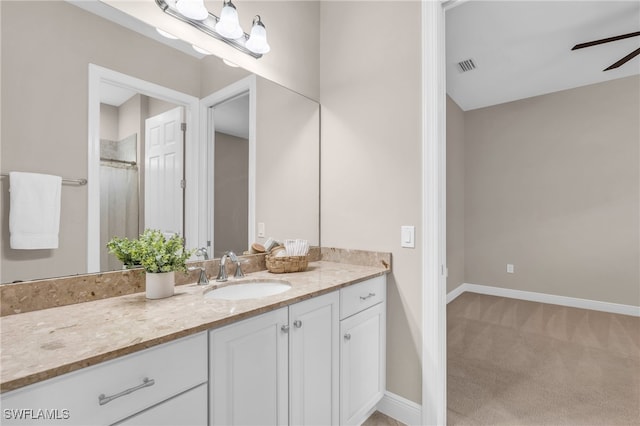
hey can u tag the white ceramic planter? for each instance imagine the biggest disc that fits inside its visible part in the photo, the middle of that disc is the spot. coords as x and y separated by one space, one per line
160 285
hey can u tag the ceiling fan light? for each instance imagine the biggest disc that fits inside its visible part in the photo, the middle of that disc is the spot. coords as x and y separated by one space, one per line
229 26
192 9
257 42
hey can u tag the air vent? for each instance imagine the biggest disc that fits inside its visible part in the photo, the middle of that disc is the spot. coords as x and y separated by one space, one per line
466 65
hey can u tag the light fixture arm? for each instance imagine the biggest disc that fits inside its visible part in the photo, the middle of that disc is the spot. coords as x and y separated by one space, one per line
207 26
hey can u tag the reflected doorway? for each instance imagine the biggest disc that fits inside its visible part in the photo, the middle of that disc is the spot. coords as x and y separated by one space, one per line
133 127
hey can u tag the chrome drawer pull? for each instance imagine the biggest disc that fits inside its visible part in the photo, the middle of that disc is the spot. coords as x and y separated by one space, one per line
347 336
285 328
368 296
146 382
297 323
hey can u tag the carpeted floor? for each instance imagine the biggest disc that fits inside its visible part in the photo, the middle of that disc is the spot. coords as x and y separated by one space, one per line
512 362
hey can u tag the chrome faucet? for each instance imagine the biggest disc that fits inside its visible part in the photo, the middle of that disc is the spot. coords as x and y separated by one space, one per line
202 280
222 273
202 251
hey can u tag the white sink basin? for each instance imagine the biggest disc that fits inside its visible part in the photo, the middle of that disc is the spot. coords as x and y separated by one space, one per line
248 289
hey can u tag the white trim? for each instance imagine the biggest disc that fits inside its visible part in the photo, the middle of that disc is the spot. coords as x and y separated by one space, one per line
434 348
247 84
574 302
400 409
453 294
450 4
98 75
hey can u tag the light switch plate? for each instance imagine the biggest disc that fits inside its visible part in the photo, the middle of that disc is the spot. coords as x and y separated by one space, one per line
408 236
261 231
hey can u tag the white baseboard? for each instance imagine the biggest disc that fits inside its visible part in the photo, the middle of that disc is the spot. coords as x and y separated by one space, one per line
573 302
401 409
453 294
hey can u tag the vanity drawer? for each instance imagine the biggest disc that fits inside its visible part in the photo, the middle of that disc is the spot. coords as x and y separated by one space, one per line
75 398
359 297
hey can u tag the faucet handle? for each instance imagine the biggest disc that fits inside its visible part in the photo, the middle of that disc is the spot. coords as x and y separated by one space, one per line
202 279
238 273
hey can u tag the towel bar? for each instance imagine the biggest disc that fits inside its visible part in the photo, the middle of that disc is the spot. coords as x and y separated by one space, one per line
80 182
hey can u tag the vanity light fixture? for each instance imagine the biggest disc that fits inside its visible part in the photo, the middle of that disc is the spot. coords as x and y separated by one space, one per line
258 39
192 9
229 25
226 28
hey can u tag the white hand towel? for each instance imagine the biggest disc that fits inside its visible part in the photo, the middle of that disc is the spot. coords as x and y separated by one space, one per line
34 210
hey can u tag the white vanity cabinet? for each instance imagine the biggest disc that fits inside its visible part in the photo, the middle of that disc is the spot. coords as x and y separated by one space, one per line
313 361
278 368
118 389
188 408
362 349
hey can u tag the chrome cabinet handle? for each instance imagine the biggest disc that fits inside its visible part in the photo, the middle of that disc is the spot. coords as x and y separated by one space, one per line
146 382
347 336
368 296
297 323
285 328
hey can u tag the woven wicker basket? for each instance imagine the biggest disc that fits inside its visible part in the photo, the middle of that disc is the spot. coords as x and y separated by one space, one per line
280 265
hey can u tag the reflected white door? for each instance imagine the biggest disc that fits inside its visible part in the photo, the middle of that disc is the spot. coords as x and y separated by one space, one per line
163 192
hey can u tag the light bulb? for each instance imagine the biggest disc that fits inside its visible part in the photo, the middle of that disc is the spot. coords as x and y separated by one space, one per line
228 26
257 42
192 9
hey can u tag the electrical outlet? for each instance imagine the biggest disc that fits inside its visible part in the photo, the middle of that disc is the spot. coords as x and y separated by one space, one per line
510 268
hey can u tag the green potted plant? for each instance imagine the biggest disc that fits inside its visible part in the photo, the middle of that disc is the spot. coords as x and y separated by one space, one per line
160 257
125 251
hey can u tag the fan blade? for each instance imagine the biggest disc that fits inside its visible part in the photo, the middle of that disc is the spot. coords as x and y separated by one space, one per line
605 40
623 60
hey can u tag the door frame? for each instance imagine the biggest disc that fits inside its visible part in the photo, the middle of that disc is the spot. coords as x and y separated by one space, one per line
434 282
207 172
194 209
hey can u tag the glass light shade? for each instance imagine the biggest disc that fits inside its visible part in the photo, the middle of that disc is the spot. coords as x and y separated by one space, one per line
192 9
201 50
257 42
163 33
229 63
228 26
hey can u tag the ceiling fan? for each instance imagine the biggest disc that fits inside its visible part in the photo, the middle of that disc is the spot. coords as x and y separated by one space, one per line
610 39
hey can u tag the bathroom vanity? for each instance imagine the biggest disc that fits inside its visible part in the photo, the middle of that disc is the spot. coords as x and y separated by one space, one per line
313 354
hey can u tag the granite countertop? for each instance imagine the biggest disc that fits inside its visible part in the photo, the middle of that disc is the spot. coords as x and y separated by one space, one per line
43 344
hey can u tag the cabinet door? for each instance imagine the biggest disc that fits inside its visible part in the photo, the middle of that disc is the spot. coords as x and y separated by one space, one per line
313 361
186 409
248 371
362 363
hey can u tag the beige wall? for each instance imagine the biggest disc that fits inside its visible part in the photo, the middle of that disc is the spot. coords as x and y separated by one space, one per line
108 122
231 194
455 195
287 175
130 117
46 49
552 185
371 158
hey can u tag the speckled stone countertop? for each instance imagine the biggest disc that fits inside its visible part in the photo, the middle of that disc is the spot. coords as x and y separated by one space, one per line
46 343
